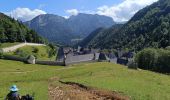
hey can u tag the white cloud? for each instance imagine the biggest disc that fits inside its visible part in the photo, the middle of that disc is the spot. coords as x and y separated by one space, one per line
72 11
125 10
25 14
66 17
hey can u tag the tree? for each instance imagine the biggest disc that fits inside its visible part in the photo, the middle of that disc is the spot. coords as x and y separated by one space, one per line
3 37
52 50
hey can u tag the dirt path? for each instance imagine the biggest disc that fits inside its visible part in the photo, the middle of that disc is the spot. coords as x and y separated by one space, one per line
75 91
15 47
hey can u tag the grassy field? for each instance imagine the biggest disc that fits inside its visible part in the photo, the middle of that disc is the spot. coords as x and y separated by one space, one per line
40 54
138 84
3 45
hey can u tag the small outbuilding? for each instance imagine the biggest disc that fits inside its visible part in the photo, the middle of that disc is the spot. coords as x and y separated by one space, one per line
103 57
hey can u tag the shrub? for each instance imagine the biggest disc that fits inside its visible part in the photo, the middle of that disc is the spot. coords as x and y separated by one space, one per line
51 51
21 53
163 64
147 59
18 51
154 59
35 50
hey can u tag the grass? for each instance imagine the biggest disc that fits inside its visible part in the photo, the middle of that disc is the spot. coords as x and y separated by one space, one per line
138 84
4 45
32 81
41 54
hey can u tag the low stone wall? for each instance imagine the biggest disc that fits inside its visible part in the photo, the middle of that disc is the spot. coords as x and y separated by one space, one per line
22 59
53 63
9 57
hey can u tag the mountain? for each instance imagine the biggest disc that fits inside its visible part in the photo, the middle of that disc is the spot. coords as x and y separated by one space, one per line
64 31
52 27
150 27
14 31
99 36
85 42
84 24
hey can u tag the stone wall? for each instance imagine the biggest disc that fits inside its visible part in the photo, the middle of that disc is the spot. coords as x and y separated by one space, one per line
9 57
54 63
25 60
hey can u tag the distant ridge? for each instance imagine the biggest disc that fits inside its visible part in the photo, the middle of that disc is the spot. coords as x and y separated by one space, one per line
58 29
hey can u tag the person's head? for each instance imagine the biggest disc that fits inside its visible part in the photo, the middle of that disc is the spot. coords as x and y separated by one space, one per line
14 88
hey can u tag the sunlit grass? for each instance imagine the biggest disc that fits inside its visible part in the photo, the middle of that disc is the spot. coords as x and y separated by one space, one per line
41 54
138 84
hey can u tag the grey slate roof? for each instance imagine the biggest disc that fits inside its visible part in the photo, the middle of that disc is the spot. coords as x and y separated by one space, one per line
72 57
79 58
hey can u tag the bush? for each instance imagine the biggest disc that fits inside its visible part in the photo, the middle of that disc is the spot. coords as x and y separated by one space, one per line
35 50
163 64
21 53
154 59
147 59
51 51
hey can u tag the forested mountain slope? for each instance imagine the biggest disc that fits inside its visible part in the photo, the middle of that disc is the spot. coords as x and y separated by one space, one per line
99 37
150 27
14 31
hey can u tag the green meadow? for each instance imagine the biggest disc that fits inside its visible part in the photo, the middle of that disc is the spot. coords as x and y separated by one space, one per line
138 84
40 52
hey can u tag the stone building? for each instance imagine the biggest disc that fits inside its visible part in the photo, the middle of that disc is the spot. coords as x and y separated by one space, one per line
70 56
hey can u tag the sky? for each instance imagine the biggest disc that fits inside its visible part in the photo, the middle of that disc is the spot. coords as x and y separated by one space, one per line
119 10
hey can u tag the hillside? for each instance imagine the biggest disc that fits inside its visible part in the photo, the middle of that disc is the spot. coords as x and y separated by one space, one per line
99 37
137 84
85 42
52 27
40 52
150 27
63 31
14 31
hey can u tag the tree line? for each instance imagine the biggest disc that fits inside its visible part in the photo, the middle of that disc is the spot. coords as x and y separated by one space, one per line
12 30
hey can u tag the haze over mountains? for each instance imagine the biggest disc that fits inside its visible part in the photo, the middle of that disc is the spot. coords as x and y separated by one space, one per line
64 31
150 27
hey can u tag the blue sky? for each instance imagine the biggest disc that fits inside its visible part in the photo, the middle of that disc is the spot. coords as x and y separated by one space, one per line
55 6
119 10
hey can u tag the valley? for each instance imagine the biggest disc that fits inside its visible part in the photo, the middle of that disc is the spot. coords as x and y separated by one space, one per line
82 51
